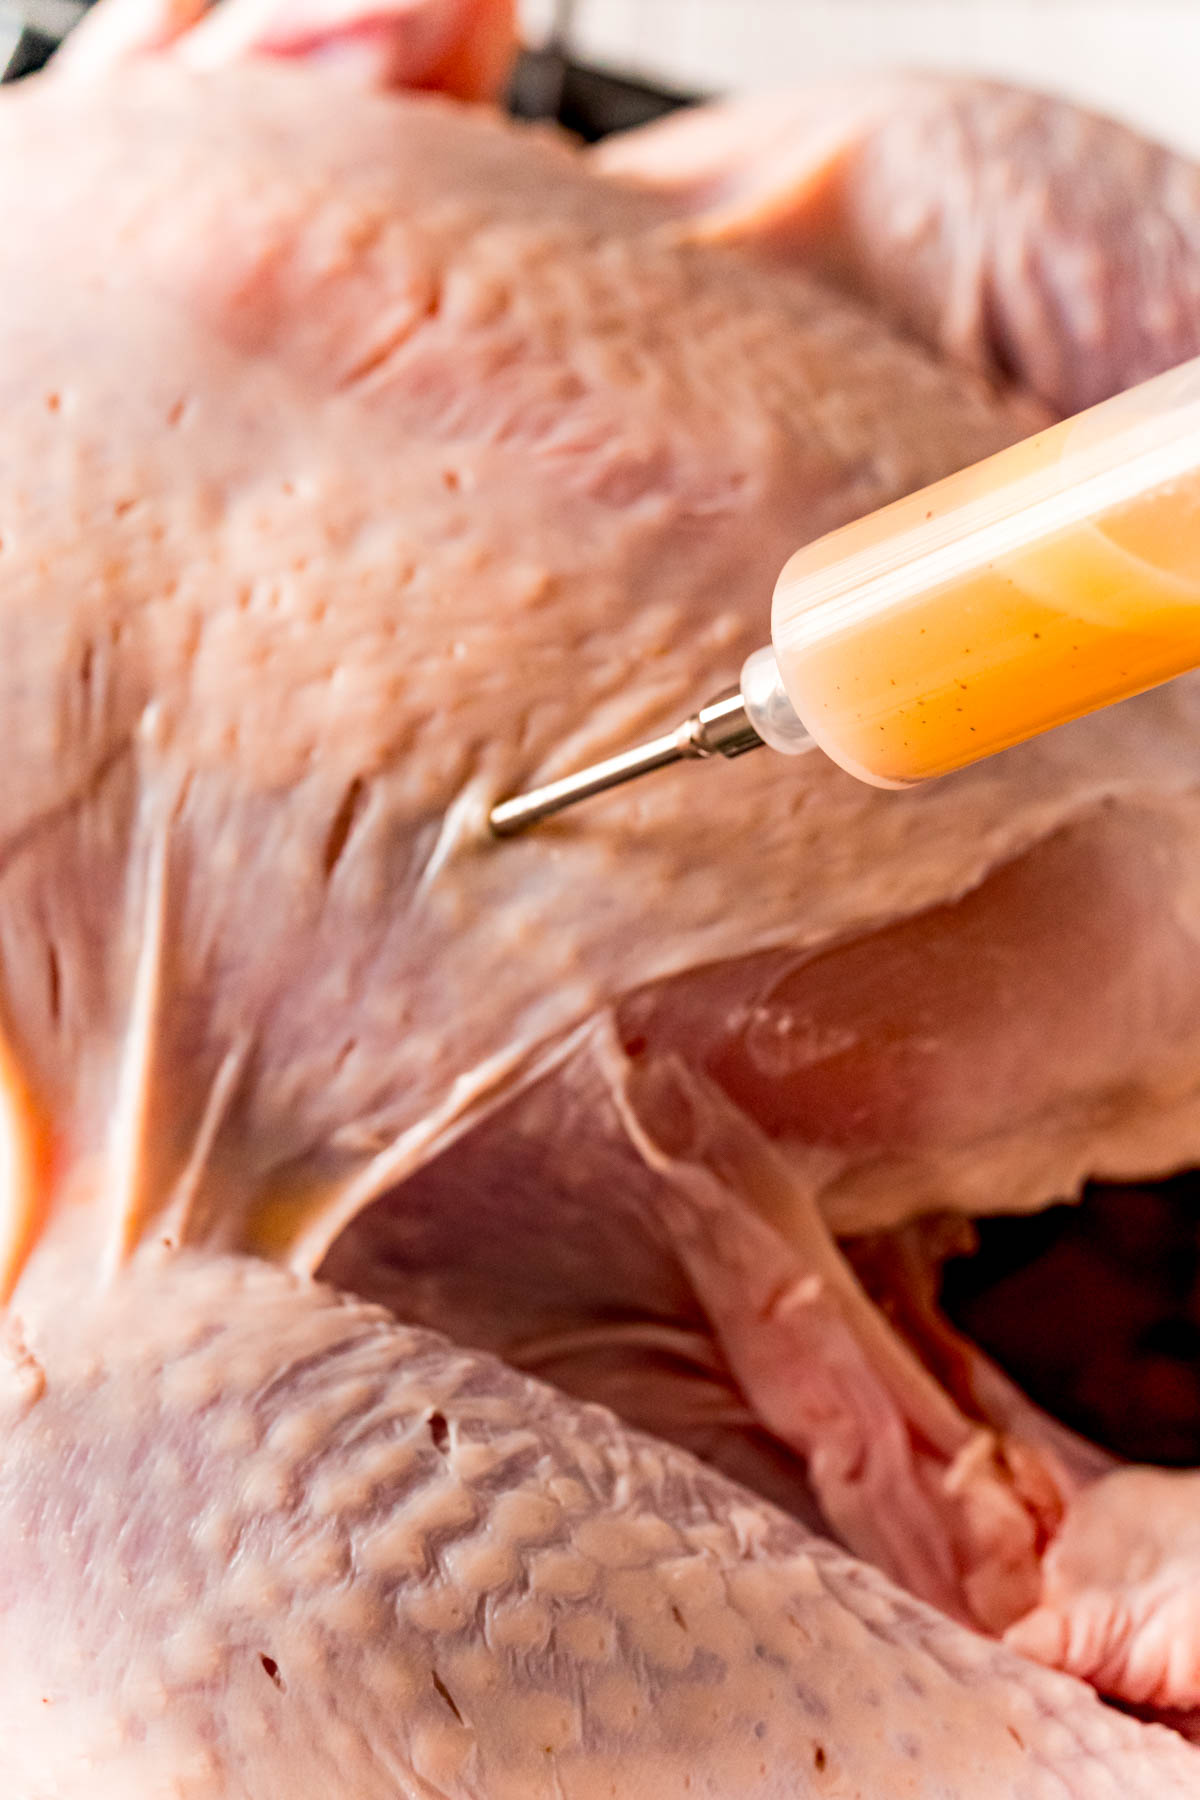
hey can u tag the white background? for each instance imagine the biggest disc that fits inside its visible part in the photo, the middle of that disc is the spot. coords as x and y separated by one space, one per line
1139 59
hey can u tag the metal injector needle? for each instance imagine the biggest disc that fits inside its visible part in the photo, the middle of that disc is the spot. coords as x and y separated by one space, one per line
721 728
1052 580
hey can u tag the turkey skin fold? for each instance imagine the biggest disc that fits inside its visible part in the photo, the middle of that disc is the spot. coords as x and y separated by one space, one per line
437 1356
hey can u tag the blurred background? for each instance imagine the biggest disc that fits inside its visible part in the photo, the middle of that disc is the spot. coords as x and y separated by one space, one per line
1137 59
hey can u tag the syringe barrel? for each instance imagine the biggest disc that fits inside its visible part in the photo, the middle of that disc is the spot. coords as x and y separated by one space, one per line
1052 579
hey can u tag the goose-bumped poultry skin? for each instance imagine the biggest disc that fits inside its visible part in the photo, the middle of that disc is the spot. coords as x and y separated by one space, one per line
364 457
257 1540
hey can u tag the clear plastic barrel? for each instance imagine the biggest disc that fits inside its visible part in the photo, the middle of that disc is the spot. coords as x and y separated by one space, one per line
1042 584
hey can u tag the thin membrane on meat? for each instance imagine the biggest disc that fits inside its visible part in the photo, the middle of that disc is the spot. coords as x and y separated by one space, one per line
362 458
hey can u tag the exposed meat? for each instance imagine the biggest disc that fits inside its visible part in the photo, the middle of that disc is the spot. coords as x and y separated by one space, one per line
364 458
1120 1591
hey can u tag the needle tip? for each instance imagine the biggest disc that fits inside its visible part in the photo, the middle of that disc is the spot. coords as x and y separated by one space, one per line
719 729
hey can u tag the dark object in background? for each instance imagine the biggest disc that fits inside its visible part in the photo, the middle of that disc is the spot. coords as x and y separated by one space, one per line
24 51
31 31
546 84
1094 1310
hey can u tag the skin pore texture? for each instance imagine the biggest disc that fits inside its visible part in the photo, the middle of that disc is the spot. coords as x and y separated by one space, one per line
365 458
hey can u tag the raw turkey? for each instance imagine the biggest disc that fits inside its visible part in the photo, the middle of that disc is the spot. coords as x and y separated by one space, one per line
363 458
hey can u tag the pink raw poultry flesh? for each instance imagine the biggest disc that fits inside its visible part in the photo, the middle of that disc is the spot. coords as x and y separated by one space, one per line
365 458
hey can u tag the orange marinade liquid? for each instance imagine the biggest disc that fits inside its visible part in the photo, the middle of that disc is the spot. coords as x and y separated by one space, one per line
1042 584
